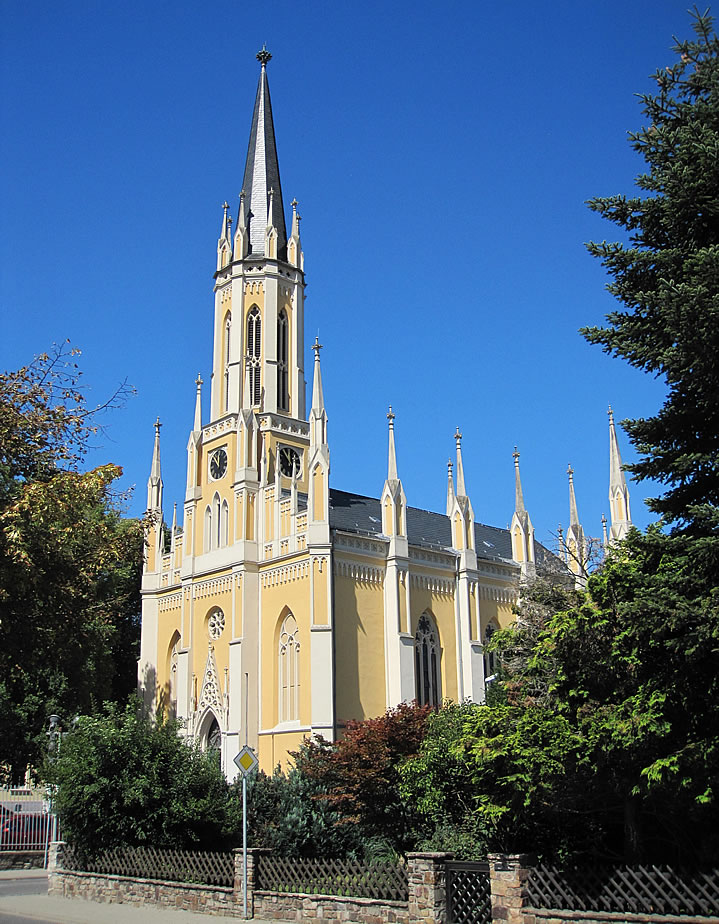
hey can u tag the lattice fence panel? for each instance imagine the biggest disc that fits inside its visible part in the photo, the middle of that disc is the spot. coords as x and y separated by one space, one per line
326 876
641 889
193 866
469 895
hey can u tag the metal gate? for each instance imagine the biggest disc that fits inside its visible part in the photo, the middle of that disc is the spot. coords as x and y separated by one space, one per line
469 897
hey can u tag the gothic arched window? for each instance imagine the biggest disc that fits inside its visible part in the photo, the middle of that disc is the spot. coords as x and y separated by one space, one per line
283 394
207 537
214 740
490 657
173 660
216 524
427 663
224 524
228 329
254 353
288 670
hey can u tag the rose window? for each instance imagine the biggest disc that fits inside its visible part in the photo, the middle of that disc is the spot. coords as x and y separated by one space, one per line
216 624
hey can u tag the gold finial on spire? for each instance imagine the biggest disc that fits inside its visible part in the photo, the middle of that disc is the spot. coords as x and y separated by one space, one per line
263 55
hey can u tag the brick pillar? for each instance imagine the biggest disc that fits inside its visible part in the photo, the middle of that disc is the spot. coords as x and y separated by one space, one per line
508 874
427 899
252 854
55 853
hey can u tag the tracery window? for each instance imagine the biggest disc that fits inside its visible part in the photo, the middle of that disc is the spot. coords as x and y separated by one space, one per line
216 623
254 353
490 657
288 670
172 674
283 395
427 663
214 740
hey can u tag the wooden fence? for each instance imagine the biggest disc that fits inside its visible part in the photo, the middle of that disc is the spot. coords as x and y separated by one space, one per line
636 889
194 866
329 876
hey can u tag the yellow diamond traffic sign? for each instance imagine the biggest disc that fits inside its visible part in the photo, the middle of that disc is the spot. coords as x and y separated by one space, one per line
246 761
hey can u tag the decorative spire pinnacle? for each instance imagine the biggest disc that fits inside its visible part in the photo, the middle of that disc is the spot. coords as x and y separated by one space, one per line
461 490
392 457
450 488
619 509
605 540
225 232
318 400
270 198
198 404
573 514
262 173
518 496
293 486
295 220
154 482
263 56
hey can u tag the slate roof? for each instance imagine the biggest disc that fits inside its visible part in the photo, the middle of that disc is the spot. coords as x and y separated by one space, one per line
355 513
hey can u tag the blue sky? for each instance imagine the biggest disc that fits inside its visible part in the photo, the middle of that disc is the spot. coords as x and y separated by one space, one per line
441 155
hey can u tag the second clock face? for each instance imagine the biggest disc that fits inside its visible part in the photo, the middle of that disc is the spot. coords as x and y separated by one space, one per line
289 461
218 464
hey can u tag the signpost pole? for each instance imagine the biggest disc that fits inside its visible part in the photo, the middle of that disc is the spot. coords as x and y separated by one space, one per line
246 762
244 846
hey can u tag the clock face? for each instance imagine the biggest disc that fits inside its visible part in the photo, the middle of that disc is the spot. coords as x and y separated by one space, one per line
218 464
289 461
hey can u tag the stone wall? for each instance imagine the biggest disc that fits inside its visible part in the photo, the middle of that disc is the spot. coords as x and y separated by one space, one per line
126 891
426 904
292 906
22 859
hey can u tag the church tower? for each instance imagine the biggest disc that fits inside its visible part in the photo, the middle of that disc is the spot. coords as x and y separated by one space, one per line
248 483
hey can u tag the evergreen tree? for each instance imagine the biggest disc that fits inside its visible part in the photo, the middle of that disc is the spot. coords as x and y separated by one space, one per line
666 277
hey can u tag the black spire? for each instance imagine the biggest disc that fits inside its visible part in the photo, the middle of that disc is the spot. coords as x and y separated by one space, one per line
262 171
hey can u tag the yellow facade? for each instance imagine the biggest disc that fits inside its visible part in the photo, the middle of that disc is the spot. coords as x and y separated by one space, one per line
282 607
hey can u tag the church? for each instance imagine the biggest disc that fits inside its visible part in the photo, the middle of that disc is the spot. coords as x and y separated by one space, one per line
282 607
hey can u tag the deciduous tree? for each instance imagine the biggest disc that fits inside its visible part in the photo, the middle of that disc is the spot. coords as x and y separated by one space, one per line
124 780
69 563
